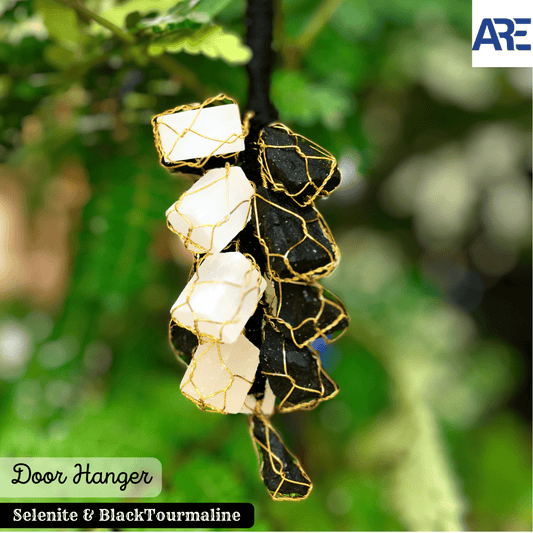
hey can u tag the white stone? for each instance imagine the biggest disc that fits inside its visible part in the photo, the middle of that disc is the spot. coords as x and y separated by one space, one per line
220 297
213 131
220 375
213 210
267 403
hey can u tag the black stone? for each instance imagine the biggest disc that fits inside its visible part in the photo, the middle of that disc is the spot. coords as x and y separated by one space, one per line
305 312
258 386
247 243
295 240
293 373
253 330
281 474
183 341
303 178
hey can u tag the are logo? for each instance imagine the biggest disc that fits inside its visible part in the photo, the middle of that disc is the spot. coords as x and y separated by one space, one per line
502 34
508 34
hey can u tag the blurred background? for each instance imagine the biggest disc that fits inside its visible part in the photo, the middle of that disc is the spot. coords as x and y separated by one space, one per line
432 427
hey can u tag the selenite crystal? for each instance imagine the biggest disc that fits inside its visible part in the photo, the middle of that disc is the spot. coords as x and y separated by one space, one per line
296 240
213 211
268 400
298 168
220 375
220 297
199 133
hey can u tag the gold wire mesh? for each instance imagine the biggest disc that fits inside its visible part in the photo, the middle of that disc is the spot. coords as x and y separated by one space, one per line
164 156
274 458
203 401
256 404
248 286
300 327
322 392
310 188
311 275
275 462
189 243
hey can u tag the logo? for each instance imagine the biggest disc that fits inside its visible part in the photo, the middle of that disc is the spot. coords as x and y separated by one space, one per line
502 33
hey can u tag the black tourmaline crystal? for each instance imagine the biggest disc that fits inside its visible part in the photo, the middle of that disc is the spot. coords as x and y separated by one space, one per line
296 240
305 313
183 341
281 473
295 374
296 167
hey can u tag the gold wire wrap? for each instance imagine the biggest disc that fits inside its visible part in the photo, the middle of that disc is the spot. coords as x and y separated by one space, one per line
257 407
270 453
272 313
187 239
285 406
200 161
268 180
206 337
275 462
307 277
202 403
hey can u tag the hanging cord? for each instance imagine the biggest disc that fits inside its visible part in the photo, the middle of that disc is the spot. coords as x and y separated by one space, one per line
259 24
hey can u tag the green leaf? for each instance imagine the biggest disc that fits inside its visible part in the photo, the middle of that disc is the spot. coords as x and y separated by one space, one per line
213 42
184 15
209 7
61 23
172 22
117 15
300 100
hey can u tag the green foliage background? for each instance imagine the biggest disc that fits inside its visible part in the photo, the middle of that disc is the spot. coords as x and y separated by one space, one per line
425 434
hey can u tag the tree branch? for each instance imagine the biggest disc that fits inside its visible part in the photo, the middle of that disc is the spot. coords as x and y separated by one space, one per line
165 61
118 32
318 20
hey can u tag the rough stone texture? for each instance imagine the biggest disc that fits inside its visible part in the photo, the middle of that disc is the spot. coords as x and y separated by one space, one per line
213 211
304 312
220 297
296 240
220 375
208 131
293 373
303 178
281 473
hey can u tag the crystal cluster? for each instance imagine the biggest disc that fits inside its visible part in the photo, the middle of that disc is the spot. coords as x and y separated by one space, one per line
245 323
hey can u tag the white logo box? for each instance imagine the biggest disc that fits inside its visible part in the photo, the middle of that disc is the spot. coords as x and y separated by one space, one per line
488 55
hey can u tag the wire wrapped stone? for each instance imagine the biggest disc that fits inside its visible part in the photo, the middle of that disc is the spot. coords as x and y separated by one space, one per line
296 240
295 374
305 312
282 474
220 375
292 164
213 211
220 297
189 135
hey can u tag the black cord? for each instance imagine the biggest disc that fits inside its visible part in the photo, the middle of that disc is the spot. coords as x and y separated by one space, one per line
259 24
